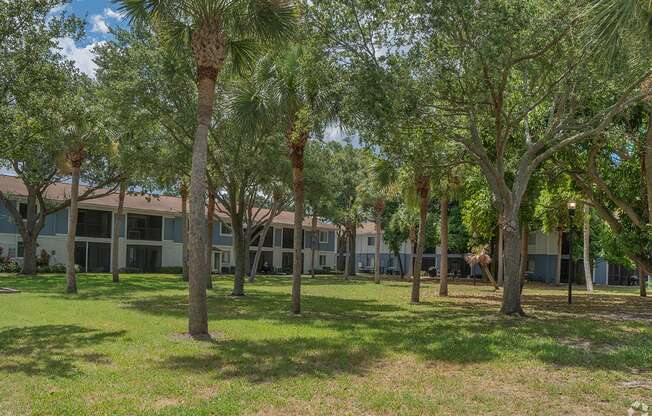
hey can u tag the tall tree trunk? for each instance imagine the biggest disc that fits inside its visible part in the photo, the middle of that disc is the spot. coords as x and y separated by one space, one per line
259 251
29 256
560 237
490 276
379 234
422 191
197 308
586 248
72 229
29 232
400 265
522 271
210 220
647 171
240 253
443 238
642 282
115 240
347 262
501 256
184 231
512 280
353 259
298 194
314 244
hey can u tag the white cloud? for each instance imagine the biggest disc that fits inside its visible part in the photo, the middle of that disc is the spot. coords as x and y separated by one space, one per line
98 24
81 56
58 9
112 14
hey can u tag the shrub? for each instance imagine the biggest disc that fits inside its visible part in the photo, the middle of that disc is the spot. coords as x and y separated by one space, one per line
43 269
61 268
9 266
131 270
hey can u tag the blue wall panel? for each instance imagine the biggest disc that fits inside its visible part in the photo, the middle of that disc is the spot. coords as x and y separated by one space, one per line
6 221
62 221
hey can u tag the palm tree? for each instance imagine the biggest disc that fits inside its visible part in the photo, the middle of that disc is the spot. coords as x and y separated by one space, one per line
480 257
286 88
211 31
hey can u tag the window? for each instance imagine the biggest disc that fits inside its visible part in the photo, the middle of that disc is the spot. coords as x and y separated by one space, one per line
216 261
288 238
530 265
226 257
323 237
322 260
11 253
22 208
91 223
144 227
269 237
532 239
144 258
21 250
225 229
371 241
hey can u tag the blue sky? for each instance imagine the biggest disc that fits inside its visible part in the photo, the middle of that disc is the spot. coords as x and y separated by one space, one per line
99 16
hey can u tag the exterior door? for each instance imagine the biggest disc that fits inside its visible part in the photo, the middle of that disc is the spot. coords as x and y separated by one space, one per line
80 255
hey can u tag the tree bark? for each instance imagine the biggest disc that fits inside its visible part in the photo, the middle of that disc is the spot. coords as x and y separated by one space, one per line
184 231
648 165
379 234
353 260
490 276
560 237
443 238
115 241
210 217
197 308
422 191
72 229
29 257
400 265
259 251
240 252
346 253
512 280
29 232
314 240
586 248
501 257
522 272
298 194
642 282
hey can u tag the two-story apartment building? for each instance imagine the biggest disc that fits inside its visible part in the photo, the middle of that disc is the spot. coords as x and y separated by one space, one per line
151 234
542 259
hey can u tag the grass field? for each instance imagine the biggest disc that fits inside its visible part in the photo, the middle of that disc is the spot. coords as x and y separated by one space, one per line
359 348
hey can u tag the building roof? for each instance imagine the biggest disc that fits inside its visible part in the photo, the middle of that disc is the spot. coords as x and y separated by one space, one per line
367 228
171 205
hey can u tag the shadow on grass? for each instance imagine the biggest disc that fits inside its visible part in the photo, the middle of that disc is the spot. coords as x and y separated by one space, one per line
95 286
50 350
364 333
368 332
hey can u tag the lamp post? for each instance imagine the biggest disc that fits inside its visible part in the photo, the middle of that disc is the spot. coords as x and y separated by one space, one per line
571 213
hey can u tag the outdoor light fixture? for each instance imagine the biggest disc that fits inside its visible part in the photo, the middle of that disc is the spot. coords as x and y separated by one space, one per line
571 212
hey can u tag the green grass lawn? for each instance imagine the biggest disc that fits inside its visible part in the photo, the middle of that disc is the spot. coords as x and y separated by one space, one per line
359 348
